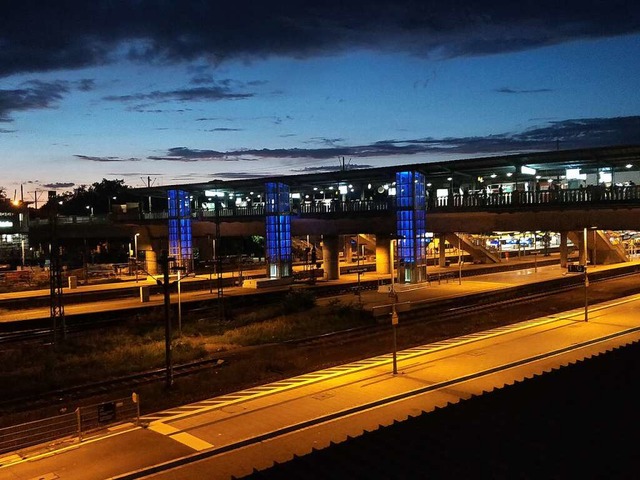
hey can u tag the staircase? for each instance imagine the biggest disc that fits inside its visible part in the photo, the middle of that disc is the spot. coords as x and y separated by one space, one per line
467 243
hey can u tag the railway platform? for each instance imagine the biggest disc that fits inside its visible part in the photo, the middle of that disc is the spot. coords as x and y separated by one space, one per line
370 289
231 435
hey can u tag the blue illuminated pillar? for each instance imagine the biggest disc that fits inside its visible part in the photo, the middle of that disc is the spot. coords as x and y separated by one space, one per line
180 239
278 230
411 226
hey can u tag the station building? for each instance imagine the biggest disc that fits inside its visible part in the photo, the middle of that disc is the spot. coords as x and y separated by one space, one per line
409 215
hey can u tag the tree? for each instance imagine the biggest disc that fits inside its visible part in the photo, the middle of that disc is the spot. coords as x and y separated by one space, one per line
97 198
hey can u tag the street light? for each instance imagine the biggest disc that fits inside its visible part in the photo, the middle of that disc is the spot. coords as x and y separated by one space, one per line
89 207
394 313
586 279
135 254
135 245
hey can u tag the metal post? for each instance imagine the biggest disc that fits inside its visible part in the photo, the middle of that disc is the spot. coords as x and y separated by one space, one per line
135 398
79 420
459 262
586 296
179 307
394 325
135 254
535 252
394 314
164 261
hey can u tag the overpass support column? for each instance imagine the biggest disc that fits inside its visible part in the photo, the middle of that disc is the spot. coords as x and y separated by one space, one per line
331 257
582 247
441 251
383 244
564 251
151 261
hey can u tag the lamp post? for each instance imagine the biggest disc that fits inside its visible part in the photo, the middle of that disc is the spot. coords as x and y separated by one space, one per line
459 261
109 204
394 313
135 254
164 262
586 279
90 208
135 245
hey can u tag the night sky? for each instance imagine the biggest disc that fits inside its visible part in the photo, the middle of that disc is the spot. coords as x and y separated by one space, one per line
186 91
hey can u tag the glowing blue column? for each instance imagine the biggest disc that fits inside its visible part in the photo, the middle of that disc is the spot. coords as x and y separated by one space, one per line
180 238
278 229
411 226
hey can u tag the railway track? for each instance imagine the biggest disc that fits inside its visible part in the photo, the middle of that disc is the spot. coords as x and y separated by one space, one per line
439 313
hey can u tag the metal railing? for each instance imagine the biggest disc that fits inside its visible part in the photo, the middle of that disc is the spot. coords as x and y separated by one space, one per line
78 423
591 195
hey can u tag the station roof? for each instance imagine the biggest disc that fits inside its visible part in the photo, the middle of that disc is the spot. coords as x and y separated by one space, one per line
548 164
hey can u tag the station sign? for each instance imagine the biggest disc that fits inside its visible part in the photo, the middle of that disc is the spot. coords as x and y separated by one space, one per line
356 270
575 268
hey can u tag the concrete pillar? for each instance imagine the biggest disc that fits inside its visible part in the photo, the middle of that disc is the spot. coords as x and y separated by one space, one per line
331 257
563 249
442 253
582 247
383 244
151 261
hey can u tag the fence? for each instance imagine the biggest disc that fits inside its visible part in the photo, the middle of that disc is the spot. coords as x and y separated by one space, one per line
79 423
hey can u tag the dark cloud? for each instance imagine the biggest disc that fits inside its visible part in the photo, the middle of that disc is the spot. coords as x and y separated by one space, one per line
57 185
33 95
573 133
183 154
106 159
216 92
44 36
4 130
331 168
224 129
238 175
36 95
511 90
86 84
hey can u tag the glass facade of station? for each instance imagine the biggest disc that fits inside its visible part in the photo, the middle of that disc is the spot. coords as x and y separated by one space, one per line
411 226
278 229
180 238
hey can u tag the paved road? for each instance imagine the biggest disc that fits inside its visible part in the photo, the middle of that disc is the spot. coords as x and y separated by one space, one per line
233 434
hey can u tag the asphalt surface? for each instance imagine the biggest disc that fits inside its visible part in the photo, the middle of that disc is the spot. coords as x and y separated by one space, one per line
252 429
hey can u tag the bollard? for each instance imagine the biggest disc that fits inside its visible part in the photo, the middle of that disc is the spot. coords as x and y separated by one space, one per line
73 282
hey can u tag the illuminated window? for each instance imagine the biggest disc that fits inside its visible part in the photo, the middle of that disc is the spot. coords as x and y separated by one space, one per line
411 218
278 229
180 238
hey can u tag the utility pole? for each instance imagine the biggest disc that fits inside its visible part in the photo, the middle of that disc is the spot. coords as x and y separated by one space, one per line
56 302
164 263
218 261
